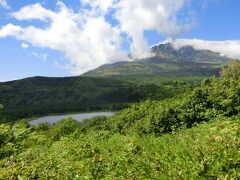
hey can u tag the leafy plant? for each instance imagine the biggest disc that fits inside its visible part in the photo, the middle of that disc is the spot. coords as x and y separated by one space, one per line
192 136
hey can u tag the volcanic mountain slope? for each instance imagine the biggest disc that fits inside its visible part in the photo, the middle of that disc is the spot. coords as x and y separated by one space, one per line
167 61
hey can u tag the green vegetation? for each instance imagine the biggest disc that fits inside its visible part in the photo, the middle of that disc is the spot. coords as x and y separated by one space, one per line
41 96
206 151
157 66
195 135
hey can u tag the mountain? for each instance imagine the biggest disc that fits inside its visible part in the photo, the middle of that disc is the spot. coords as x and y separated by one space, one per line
97 90
193 136
44 95
188 53
167 61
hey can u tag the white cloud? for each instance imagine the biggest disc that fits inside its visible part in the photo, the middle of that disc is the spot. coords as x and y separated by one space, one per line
87 39
10 30
24 45
136 16
226 48
34 11
42 56
3 4
100 6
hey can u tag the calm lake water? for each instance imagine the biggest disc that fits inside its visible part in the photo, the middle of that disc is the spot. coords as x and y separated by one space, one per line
79 117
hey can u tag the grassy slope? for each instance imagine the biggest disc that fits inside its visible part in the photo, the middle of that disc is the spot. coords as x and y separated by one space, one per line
210 150
158 66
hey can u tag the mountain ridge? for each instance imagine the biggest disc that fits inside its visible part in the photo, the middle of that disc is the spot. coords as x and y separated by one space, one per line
187 52
167 61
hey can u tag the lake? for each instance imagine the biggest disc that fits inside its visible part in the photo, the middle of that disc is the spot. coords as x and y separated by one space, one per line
78 117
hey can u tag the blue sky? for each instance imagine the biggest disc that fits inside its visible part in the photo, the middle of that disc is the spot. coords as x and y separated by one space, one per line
102 33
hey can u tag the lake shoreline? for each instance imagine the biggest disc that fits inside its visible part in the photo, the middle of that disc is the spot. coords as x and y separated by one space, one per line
66 113
52 119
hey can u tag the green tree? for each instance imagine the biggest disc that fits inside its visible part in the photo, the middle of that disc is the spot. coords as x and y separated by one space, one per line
232 72
220 95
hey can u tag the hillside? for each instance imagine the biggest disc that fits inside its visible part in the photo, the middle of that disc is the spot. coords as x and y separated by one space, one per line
193 136
42 95
114 86
167 62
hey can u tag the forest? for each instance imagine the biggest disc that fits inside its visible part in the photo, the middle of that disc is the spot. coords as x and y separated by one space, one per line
40 96
194 134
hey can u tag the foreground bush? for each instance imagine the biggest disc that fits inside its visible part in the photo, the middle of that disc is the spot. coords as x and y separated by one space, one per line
150 140
208 151
216 97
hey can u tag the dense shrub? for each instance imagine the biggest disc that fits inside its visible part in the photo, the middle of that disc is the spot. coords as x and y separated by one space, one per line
208 151
215 97
63 128
150 140
218 95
